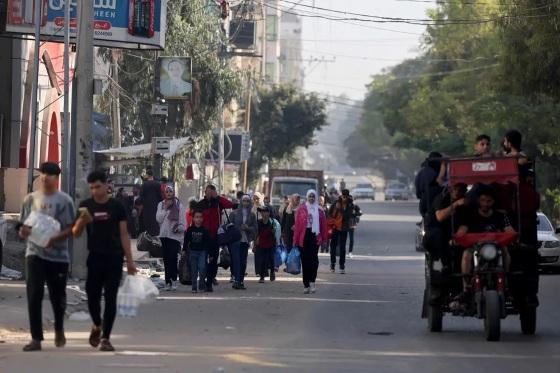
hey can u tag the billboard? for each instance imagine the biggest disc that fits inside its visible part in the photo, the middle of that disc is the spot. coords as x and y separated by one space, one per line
137 24
236 147
174 78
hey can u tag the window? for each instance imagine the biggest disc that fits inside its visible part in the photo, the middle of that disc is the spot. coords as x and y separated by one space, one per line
271 27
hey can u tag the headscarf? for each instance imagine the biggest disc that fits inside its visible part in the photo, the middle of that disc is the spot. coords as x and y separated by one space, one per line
261 197
293 205
245 211
174 209
313 210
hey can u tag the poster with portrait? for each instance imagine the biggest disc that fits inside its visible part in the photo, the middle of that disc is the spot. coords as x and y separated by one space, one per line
174 78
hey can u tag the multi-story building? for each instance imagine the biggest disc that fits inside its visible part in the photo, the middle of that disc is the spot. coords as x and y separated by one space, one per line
291 70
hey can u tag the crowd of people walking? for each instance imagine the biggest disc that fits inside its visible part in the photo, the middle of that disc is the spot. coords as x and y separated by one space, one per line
197 230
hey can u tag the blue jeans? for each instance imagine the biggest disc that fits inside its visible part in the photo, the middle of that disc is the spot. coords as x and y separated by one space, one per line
239 252
198 268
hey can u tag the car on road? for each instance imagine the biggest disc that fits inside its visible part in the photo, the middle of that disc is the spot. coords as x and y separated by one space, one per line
363 191
395 190
549 244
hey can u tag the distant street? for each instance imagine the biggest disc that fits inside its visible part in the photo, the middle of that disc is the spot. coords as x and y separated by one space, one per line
367 320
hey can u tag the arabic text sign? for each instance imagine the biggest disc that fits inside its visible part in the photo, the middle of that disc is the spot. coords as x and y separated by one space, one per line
117 23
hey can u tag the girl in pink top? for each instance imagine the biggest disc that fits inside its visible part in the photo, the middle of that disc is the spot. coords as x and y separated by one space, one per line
309 233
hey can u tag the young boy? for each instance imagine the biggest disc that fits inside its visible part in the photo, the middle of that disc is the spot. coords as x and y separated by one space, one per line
196 246
265 245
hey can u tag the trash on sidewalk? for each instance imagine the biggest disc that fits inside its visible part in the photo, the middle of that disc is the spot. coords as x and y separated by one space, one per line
10 274
79 316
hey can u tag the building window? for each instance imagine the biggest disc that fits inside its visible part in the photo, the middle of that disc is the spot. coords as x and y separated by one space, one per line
271 27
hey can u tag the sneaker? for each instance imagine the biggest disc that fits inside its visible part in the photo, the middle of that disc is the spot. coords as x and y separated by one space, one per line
59 338
167 287
95 336
312 288
306 291
235 286
242 286
32 346
332 269
231 279
342 271
261 281
194 291
350 255
215 282
272 276
106 346
174 286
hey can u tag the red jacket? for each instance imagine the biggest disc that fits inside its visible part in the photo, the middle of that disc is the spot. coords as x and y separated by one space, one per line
301 226
212 213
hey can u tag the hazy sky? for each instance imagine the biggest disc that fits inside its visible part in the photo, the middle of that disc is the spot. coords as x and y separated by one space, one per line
359 49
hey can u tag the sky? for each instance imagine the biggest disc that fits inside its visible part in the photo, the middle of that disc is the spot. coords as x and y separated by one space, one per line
353 51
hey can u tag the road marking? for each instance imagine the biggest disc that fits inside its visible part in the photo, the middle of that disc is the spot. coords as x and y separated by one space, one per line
244 359
133 366
390 218
388 258
284 299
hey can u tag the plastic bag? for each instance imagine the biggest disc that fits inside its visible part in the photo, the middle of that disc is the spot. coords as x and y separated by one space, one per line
293 263
283 254
225 258
43 228
134 291
185 270
278 256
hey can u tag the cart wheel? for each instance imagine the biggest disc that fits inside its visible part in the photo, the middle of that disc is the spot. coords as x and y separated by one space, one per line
435 319
528 318
492 318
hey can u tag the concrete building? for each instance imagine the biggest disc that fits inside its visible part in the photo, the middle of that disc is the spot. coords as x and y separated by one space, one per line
273 16
291 70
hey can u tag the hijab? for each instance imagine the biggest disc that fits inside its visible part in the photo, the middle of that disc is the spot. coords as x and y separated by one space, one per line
245 210
293 205
174 210
313 210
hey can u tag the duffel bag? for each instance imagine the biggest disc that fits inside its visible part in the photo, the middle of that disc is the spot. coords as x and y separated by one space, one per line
149 243
185 277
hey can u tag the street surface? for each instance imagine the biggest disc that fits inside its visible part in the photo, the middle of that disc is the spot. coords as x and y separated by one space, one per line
367 320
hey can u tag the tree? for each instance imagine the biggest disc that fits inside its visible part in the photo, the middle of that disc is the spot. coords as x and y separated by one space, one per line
283 119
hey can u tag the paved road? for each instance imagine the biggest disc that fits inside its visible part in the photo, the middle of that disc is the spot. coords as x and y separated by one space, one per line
364 321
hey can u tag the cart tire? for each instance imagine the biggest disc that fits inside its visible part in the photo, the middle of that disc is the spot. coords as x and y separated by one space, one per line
492 317
435 319
528 318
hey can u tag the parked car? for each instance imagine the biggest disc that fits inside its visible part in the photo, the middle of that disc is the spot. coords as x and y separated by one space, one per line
363 191
549 249
395 190
419 237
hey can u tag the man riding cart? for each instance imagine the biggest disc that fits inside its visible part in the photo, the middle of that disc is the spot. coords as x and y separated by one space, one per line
484 264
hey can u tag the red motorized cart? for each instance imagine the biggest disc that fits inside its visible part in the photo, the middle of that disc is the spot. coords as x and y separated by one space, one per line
495 293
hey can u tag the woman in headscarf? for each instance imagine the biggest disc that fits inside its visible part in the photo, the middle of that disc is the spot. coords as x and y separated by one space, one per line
246 221
309 233
258 201
171 216
289 220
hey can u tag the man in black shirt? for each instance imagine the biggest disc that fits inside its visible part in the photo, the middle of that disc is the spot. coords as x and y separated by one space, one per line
447 213
484 220
106 223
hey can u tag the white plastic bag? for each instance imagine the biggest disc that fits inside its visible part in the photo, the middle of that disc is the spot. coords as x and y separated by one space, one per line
43 228
134 291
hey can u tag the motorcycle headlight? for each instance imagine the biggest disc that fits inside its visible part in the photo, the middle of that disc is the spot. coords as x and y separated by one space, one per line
551 244
488 252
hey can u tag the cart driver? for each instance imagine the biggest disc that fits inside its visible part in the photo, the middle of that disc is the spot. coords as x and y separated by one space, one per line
483 220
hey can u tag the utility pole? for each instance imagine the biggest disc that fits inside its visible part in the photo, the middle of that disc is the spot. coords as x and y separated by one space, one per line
84 112
34 104
247 128
66 131
115 102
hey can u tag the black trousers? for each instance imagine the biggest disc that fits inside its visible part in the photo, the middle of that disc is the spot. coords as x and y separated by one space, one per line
309 258
104 277
263 262
39 272
212 267
170 250
351 239
338 239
